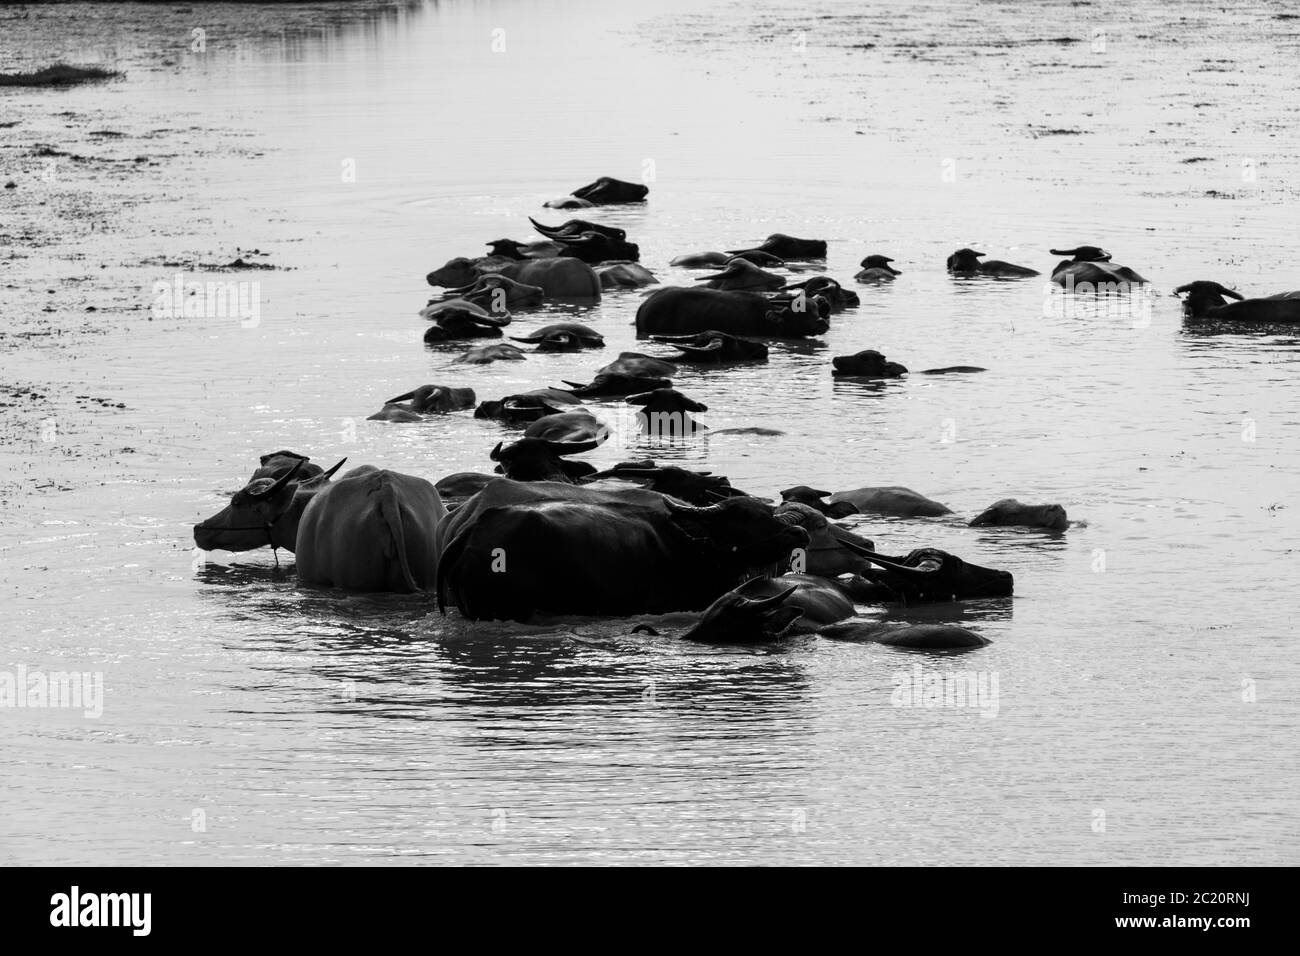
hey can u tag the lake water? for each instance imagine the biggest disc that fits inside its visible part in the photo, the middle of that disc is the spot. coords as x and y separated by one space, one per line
1147 705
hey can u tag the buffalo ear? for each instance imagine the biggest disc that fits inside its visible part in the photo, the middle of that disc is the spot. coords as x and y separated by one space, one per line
643 398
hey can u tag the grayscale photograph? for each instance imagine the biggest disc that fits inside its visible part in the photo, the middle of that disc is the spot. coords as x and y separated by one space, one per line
648 433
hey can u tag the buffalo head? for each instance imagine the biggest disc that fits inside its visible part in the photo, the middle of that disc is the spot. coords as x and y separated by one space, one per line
1203 295
538 459
736 619
929 574
253 519
742 532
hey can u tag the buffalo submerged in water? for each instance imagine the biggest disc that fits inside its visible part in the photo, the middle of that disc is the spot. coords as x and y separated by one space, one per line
519 549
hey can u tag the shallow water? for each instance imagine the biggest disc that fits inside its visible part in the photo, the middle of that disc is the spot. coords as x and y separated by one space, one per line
307 726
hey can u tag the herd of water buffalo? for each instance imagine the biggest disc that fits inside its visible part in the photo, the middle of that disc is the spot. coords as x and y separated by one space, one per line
545 534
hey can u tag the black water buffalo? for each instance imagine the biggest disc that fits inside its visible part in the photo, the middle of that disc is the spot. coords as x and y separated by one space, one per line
692 487
639 365
373 530
877 269
714 347
560 278
461 485
927 574
514 249
607 191
788 247
537 459
666 413
519 548
701 260
737 619
764 260
820 599
453 323
498 293
967 262
804 495
563 337
595 247
425 400
677 311
484 354
832 550
741 274
265 512
1208 300
866 364
617 384
624 275
569 427
528 406
576 227
277 463
1090 270
912 636
893 500
827 288
1009 513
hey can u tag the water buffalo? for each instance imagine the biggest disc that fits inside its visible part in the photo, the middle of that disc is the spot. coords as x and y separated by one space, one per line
519 548
425 400
892 500
576 227
514 249
624 275
827 288
373 530
866 364
277 463
692 487
1090 270
1011 513
595 247
617 384
563 337
677 311
966 262
498 293
560 278
832 550
927 574
537 459
804 495
821 601
487 311
528 406
450 324
736 619
701 260
1208 300
568 427
742 274
714 347
788 247
912 636
877 269
639 365
266 511
607 191
484 354
952 370
568 202
757 257
666 413
461 485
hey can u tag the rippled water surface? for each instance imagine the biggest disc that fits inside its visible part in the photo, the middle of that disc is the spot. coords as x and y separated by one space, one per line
1147 688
